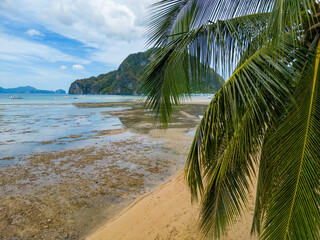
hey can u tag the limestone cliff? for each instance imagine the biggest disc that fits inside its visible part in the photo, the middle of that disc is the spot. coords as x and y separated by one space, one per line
125 80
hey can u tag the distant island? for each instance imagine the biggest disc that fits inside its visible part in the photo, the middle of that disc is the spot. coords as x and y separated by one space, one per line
29 89
125 80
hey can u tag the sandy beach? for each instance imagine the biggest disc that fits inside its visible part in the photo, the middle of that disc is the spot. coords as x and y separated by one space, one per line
166 212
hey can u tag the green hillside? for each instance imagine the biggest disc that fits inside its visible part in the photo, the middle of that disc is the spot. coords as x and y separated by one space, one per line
125 80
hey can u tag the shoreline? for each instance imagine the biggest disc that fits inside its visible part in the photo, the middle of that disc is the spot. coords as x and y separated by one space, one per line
167 213
68 192
143 216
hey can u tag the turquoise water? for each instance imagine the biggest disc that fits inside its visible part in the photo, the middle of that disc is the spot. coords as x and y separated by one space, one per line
46 122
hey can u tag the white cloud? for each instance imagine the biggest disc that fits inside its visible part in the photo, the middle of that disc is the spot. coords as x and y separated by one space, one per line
33 32
77 67
90 21
114 28
19 49
63 67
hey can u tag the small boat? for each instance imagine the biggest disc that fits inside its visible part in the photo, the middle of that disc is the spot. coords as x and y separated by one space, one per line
15 97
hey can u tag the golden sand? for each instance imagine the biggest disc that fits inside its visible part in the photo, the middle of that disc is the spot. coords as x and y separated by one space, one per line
166 213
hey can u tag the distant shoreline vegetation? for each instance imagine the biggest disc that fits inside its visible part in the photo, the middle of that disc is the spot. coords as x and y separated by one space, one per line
29 89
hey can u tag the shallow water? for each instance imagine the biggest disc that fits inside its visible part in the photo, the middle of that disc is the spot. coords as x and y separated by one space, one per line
67 165
28 125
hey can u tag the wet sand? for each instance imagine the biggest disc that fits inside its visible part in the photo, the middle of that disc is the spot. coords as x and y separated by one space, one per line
68 194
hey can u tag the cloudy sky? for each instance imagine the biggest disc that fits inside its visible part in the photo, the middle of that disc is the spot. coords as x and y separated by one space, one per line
50 43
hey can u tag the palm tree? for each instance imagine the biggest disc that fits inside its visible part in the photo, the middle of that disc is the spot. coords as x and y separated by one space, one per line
264 121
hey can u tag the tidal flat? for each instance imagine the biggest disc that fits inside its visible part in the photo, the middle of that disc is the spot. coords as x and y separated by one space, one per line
69 185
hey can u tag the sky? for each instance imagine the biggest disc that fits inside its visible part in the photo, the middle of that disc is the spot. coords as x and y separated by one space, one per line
48 44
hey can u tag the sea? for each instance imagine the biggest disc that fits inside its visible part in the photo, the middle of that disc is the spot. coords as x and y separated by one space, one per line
28 122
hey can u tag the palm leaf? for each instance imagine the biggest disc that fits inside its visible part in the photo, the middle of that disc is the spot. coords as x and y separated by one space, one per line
262 56
169 17
266 174
229 178
225 147
293 152
168 76
293 15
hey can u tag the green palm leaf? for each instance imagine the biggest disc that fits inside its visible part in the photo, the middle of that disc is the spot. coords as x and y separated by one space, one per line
293 209
224 151
298 14
266 173
168 77
169 17
266 113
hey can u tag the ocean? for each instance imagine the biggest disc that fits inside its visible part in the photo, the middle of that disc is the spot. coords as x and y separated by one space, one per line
44 122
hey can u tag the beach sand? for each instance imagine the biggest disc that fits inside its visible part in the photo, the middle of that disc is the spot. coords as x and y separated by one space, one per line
166 213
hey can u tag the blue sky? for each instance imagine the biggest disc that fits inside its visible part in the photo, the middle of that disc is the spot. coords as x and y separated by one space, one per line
50 43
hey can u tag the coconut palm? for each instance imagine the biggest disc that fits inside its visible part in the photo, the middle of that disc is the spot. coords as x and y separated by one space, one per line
264 121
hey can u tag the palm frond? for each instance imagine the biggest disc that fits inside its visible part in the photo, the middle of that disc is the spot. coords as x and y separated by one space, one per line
293 211
168 17
264 48
292 15
161 90
266 174
228 174
223 152
189 56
